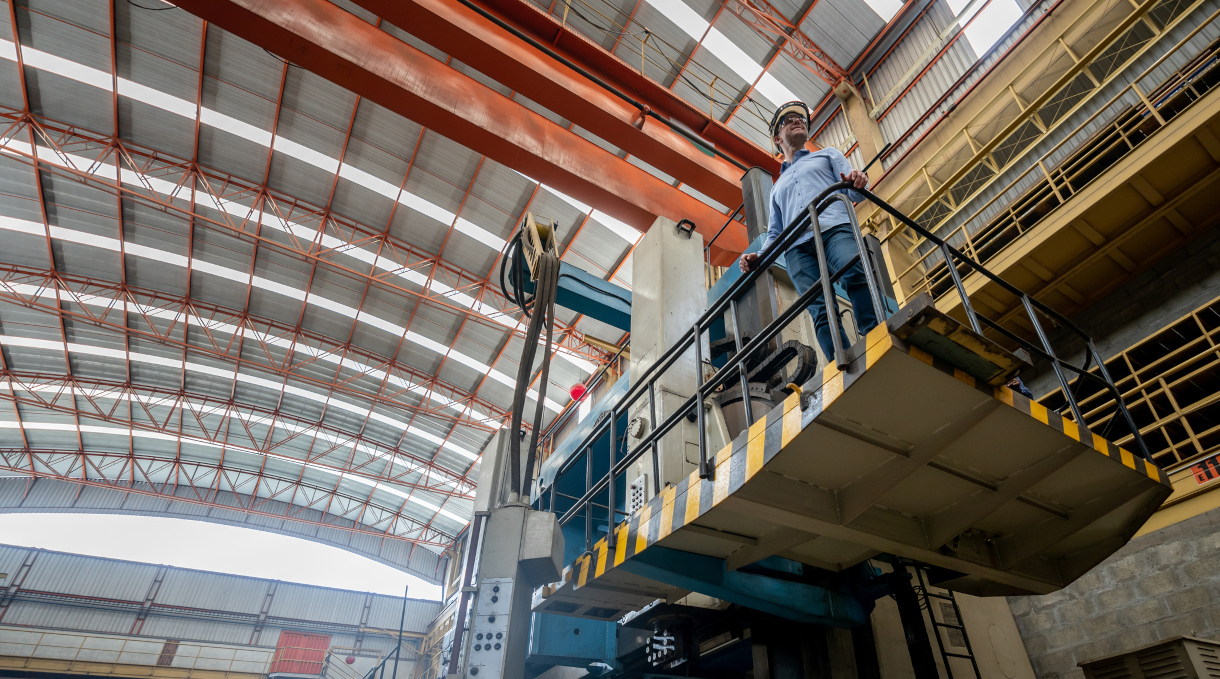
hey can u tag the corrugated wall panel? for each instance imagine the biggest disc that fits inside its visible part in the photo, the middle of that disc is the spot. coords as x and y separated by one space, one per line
386 611
920 46
11 559
301 602
197 589
54 616
88 576
927 120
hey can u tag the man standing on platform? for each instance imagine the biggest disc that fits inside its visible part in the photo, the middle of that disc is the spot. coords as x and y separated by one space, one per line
803 175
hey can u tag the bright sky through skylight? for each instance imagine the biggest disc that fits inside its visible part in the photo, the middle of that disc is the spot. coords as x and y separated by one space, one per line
715 42
211 547
886 9
991 23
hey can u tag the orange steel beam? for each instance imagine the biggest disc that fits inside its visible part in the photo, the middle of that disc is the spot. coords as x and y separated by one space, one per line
209 485
344 49
475 40
550 30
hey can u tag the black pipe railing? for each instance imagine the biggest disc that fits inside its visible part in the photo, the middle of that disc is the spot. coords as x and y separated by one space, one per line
736 365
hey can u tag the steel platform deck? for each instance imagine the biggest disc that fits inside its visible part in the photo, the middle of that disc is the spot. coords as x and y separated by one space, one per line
900 453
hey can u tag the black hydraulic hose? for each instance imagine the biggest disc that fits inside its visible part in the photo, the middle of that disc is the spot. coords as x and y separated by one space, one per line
549 301
601 83
519 392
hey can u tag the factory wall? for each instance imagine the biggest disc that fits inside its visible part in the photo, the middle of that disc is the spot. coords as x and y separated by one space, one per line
1160 585
94 597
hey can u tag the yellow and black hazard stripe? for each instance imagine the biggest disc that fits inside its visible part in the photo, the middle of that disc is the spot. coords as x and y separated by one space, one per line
681 504
1048 417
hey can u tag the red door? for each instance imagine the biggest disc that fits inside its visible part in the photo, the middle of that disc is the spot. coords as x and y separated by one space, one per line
298 653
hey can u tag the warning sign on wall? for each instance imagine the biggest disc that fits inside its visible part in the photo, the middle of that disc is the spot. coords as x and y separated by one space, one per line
1206 471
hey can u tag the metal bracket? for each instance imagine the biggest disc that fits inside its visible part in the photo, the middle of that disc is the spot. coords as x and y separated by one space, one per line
690 228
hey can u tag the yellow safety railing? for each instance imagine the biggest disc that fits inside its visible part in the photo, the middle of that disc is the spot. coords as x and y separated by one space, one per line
1134 116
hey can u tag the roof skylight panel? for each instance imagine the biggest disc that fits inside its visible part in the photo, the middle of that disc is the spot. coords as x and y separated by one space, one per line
159 436
217 327
244 378
722 48
173 105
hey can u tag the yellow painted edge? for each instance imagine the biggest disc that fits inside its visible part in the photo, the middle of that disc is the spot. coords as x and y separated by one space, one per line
832 390
720 487
1039 412
791 425
641 531
962 377
620 543
1127 458
877 346
921 355
1004 395
602 544
667 512
1100 445
754 447
693 490
584 572
1151 470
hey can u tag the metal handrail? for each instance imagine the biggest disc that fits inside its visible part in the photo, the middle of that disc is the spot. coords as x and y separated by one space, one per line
736 366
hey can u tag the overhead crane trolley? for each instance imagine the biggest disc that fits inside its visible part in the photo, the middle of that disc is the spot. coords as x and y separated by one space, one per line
907 446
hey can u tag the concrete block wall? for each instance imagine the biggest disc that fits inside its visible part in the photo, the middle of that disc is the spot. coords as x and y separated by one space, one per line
1160 585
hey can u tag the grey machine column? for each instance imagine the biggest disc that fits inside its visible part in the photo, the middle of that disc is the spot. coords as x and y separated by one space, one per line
517 550
667 297
758 307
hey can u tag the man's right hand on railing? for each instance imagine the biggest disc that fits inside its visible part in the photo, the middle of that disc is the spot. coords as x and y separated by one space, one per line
746 263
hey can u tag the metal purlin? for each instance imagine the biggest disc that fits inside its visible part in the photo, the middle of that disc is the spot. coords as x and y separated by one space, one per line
735 367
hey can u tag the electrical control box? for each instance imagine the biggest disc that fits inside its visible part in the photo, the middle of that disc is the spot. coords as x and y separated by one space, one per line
489 628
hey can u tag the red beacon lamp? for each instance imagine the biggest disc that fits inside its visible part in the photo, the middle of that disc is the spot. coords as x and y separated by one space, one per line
578 391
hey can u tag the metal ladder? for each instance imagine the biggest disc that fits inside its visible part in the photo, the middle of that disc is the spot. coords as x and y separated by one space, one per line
928 596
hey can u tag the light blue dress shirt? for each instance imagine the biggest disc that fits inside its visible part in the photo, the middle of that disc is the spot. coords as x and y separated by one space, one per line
809 173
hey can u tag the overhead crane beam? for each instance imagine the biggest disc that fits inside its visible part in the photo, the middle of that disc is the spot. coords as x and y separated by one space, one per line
479 42
204 485
341 47
559 37
269 432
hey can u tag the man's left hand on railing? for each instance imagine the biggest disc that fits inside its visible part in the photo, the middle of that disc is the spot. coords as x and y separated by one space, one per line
858 179
746 263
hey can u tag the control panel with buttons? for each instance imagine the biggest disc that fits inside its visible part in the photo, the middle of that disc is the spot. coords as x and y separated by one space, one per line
485 656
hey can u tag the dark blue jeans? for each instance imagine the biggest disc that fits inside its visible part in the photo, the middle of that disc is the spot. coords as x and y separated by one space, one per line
802 261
